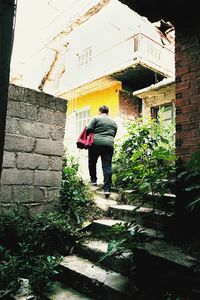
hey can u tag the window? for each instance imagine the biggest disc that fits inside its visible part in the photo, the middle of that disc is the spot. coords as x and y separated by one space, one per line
154 52
167 113
82 119
85 57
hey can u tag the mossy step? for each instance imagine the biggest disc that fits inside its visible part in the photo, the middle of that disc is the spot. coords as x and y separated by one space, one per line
94 249
103 203
171 253
113 195
142 215
161 201
93 280
163 267
59 291
98 226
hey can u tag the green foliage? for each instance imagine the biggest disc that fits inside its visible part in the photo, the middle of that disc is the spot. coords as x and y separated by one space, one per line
32 246
122 236
8 272
189 181
144 160
27 245
74 194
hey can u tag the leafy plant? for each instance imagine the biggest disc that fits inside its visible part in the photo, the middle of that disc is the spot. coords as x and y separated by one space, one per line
8 272
189 181
145 157
145 160
122 236
33 246
75 196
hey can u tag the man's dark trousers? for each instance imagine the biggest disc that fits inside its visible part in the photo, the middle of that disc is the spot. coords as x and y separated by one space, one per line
106 153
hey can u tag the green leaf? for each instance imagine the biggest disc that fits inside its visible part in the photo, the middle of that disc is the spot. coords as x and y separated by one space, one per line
137 154
193 187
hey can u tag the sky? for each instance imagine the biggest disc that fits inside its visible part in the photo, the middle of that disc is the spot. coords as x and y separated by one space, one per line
37 20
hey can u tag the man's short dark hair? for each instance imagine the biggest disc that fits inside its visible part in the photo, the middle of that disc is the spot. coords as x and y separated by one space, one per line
104 109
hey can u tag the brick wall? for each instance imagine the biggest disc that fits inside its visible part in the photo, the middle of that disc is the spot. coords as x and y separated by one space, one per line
33 149
129 106
187 92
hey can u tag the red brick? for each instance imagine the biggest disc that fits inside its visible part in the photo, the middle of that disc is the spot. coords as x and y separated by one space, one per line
190 108
189 76
181 87
182 71
182 102
195 99
195 116
182 118
190 126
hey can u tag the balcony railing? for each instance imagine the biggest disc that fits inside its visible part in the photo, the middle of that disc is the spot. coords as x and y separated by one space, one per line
136 49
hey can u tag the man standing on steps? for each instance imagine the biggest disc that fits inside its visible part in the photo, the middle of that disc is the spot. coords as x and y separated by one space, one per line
104 129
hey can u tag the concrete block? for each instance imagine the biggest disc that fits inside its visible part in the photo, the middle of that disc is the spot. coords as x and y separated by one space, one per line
61 104
49 147
9 160
15 92
60 119
14 176
32 161
46 100
53 195
22 110
35 129
19 143
12 125
40 194
55 163
23 193
5 193
47 178
57 132
36 208
45 116
30 96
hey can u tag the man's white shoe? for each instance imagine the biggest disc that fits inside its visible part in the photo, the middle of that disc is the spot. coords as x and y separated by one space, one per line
93 183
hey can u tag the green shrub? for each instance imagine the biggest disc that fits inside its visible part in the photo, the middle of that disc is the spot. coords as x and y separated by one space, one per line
145 160
33 246
75 196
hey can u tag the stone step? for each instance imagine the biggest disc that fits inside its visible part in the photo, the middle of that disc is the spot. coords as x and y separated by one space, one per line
162 266
99 226
103 203
143 215
113 195
59 291
163 202
172 253
94 249
94 281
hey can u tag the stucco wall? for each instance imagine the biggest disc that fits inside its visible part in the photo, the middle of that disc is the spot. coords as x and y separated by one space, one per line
33 149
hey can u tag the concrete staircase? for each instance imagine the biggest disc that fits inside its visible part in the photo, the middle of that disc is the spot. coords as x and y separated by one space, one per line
157 263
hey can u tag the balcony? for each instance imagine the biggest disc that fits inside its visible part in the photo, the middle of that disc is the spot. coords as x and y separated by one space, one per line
137 62
151 62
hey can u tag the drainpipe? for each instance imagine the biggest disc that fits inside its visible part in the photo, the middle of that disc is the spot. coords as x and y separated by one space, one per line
7 11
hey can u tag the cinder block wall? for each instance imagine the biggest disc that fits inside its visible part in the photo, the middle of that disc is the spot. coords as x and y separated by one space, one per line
187 92
33 149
